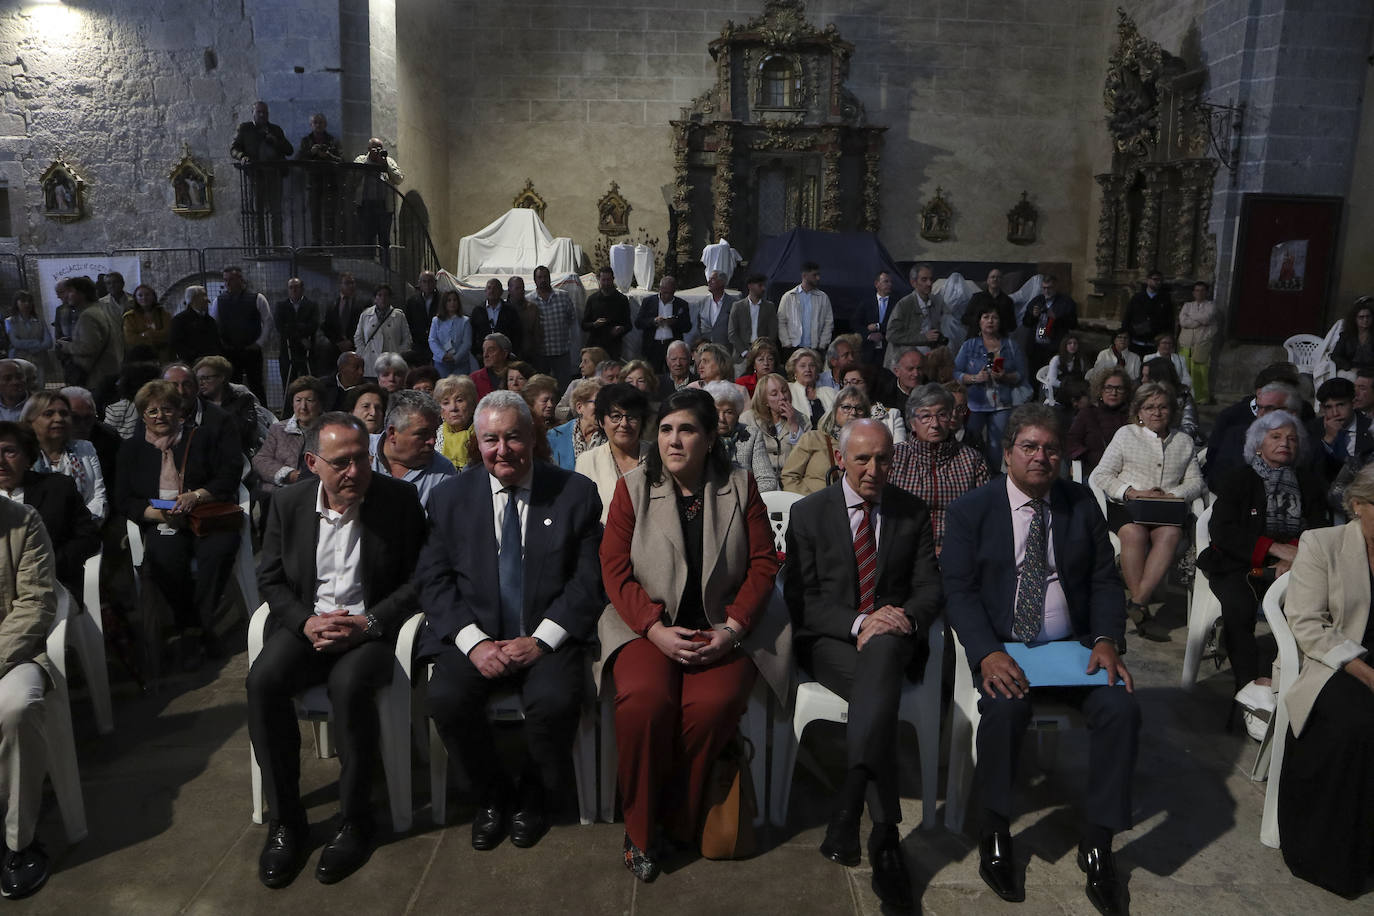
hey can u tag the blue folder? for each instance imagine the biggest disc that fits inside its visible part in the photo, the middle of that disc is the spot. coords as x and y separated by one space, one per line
1061 663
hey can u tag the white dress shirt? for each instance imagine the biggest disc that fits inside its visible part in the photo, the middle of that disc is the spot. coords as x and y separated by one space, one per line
338 560
665 310
1056 624
549 632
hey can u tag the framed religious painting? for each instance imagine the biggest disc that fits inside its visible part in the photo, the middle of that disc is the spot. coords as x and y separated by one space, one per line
1285 253
191 191
64 192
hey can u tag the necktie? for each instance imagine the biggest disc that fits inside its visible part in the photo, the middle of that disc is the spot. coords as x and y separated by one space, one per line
866 556
511 570
1029 613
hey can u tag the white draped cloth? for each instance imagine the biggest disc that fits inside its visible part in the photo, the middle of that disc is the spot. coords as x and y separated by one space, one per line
516 243
721 257
623 265
644 266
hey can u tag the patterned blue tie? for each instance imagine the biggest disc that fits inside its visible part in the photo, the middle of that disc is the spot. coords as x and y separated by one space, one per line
1029 613
511 570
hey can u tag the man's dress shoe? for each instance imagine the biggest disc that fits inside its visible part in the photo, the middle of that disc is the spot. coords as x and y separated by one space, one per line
890 880
283 854
1103 888
530 821
488 825
841 843
343 855
997 866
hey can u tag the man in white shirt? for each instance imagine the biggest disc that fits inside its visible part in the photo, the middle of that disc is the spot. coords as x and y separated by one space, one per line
712 322
755 317
805 318
510 583
336 566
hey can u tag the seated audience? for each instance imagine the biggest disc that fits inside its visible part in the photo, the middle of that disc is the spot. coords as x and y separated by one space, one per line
348 374
390 371
121 415
14 390
580 434
1225 451
181 466
518 372
811 465
541 394
281 460
1148 458
1161 371
932 464
860 377
621 411
958 423
1355 347
776 421
591 358
713 365
1344 440
49 416
842 353
1095 425
1260 510
1364 391
457 397
422 379
992 367
677 372
937 366
1165 348
608 372
1326 821
742 443
367 402
762 360
1068 364
495 354
336 624
860 614
1120 356
212 375
810 398
527 628
687 631
406 449
86 425
639 373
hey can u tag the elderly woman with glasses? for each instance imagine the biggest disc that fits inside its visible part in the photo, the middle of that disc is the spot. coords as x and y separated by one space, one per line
580 434
932 463
281 460
812 461
1150 458
1095 425
742 441
162 476
620 411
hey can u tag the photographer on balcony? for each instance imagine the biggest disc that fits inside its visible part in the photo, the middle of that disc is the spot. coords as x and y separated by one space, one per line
374 198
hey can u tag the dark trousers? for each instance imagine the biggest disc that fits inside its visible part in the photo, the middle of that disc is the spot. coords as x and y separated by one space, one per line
1113 718
871 682
671 723
551 693
247 362
193 598
289 664
375 221
1239 607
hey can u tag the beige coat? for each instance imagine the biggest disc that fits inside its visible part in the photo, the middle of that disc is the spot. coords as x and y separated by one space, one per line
657 552
28 597
599 465
1327 607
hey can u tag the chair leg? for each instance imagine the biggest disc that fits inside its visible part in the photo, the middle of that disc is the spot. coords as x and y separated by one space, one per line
584 765
1269 823
606 791
62 764
438 778
393 711
753 726
781 762
324 740
89 643
256 774
962 750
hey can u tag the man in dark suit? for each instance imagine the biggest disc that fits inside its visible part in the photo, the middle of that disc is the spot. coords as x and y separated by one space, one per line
420 310
1148 314
1026 559
338 324
74 533
712 321
606 319
335 571
348 376
871 319
991 297
754 317
297 319
526 628
1050 316
495 316
861 608
663 319
257 144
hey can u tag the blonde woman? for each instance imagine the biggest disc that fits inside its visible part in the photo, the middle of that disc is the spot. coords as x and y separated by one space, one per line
812 399
808 467
772 415
457 397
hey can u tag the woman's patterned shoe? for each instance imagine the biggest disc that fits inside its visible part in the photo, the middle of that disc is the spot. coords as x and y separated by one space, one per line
640 864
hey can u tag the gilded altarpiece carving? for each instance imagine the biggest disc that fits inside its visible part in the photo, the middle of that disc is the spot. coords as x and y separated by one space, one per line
778 143
1157 197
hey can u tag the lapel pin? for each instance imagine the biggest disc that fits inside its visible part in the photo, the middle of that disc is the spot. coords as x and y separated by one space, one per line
548 522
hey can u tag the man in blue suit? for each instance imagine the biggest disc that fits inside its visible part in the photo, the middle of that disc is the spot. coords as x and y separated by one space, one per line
1026 559
510 583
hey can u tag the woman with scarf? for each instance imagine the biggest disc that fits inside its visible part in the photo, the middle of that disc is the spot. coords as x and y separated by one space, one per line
1119 356
49 416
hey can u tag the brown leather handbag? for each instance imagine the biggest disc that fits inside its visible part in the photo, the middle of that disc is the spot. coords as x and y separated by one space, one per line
216 517
727 831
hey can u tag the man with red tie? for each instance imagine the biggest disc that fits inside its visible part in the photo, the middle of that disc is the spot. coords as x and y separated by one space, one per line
861 610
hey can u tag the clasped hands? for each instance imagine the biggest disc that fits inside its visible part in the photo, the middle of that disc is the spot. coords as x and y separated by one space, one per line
495 658
887 619
1001 674
694 648
336 630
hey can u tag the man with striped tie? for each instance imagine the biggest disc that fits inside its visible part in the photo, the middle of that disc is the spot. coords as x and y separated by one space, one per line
862 608
1026 560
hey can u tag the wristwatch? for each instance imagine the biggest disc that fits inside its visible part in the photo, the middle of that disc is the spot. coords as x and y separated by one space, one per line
543 646
373 630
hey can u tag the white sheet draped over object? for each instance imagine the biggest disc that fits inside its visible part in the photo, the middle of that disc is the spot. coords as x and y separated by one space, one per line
721 257
644 267
623 265
516 243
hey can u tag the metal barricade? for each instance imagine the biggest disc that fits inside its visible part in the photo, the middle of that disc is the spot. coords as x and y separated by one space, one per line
11 279
168 271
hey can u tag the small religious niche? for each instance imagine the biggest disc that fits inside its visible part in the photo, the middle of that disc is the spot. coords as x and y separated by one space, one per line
1021 220
529 199
613 212
64 192
191 181
936 218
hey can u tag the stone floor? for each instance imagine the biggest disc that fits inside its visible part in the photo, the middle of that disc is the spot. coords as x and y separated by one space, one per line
167 798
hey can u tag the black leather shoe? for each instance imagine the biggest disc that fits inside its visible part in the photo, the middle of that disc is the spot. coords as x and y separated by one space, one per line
283 854
841 843
531 820
890 880
1103 888
24 871
344 854
488 824
997 866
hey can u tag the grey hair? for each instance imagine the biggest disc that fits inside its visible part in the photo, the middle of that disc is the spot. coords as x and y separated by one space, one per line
345 358
678 343
843 444
333 418
918 267
193 291
608 364
394 362
1266 424
721 390
1360 488
1039 416
30 372
501 340
932 394
722 357
1294 402
76 392
500 401
407 404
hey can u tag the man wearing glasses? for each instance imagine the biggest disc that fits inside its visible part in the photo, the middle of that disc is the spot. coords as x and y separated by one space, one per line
1029 562
337 559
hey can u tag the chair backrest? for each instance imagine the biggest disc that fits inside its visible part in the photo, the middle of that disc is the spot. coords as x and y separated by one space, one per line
1202 535
1302 351
1042 375
779 506
1289 659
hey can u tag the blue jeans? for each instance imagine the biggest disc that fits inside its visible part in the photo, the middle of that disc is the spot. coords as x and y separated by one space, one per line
990 424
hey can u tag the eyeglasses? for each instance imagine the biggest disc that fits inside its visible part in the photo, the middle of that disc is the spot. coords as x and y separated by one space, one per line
339 465
1154 408
942 416
850 409
630 419
160 411
1115 388
208 377
1029 449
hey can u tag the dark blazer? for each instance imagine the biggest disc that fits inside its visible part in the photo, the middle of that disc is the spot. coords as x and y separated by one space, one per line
334 328
720 331
74 533
821 576
1065 312
1238 517
613 306
868 314
507 322
741 326
201 455
296 325
419 314
334 396
192 335
681 323
980 574
393 532
456 574
1006 311
260 143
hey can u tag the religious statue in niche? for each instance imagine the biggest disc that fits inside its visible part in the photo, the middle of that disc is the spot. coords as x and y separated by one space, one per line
613 212
1021 221
936 217
64 191
191 181
529 199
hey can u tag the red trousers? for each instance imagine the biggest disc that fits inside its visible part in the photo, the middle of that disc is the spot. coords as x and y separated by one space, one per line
671 722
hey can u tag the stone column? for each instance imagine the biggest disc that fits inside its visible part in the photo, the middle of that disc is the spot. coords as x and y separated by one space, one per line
1107 238
871 218
1147 244
682 198
723 184
1185 225
830 182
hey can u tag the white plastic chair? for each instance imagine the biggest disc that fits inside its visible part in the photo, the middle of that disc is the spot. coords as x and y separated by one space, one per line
1046 720
393 712
1289 660
779 505
1203 608
61 742
1076 470
504 706
1303 350
1042 375
1101 497
920 708
1325 366
87 637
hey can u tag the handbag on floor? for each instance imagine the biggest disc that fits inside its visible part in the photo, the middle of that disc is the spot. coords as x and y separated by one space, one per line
727 831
